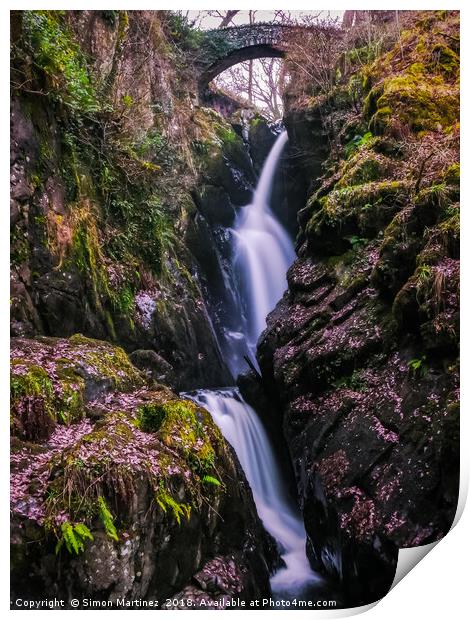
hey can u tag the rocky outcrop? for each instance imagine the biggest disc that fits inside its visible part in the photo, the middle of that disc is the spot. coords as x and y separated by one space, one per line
362 351
120 488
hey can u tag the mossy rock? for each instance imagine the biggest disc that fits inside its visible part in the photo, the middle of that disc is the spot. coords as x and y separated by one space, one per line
184 426
63 377
420 101
364 167
354 210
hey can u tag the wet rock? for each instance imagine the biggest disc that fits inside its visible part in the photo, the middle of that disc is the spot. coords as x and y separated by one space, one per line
158 368
362 351
214 204
261 138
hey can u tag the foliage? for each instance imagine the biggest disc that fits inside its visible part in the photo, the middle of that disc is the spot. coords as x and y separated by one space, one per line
211 480
214 44
107 519
182 32
355 143
418 366
357 242
74 536
353 382
167 503
60 58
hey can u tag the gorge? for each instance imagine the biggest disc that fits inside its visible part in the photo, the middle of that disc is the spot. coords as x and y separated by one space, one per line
203 408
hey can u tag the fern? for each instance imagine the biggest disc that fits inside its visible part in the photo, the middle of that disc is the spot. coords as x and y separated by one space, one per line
107 519
74 536
418 366
211 480
166 502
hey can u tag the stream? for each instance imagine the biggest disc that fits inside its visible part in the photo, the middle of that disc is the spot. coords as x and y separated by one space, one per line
262 254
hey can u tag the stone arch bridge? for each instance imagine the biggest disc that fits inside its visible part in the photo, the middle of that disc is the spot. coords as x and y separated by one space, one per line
226 47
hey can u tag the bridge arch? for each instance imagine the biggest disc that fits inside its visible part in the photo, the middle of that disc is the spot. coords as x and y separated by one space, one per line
251 52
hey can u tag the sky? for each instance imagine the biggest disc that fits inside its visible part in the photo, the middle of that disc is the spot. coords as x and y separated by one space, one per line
206 22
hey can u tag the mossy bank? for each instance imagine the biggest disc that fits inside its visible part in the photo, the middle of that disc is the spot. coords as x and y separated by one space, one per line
119 488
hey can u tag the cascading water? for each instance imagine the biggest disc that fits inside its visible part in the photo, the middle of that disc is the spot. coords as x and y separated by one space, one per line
262 254
243 430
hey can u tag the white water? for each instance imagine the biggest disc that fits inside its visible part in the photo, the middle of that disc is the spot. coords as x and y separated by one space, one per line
243 430
263 254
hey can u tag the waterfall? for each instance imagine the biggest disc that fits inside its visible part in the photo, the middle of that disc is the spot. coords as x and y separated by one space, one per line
242 428
263 253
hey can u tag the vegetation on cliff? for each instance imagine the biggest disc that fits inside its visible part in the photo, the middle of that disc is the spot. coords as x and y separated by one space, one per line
363 350
108 155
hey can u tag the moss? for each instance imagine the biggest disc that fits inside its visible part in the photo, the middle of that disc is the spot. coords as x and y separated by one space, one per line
40 397
343 202
437 197
364 167
35 382
19 247
32 400
445 60
60 59
150 417
452 175
184 426
109 461
107 361
421 101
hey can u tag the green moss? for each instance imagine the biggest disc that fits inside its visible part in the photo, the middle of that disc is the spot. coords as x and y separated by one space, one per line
150 417
35 382
184 426
343 202
362 168
444 59
226 134
41 397
107 361
19 246
452 174
124 300
421 101
438 196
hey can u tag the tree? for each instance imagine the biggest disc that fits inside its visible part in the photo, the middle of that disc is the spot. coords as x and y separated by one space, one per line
264 84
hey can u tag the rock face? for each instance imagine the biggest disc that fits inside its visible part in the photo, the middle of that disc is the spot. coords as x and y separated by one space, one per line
114 196
119 488
362 351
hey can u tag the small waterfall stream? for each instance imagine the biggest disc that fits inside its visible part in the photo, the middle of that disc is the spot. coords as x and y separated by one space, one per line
262 254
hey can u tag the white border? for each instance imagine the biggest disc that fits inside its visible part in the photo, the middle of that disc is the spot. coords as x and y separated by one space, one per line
440 586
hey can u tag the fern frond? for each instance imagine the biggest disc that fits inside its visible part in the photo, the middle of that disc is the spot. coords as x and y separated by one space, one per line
107 519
